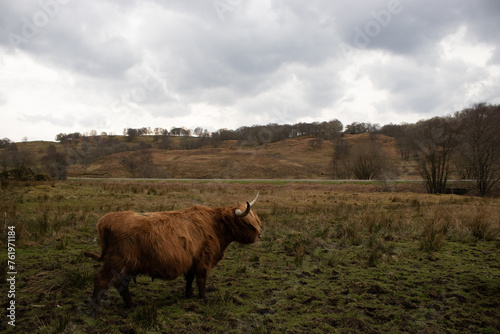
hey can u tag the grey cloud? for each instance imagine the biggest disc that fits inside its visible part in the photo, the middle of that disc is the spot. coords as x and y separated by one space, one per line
415 27
221 53
247 59
74 36
425 90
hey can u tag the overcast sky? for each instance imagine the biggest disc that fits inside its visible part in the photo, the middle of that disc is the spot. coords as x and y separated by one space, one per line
73 66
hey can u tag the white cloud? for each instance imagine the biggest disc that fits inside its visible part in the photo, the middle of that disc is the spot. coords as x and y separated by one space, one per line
457 46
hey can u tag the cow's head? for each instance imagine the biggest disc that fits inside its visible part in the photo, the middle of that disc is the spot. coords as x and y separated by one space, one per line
247 225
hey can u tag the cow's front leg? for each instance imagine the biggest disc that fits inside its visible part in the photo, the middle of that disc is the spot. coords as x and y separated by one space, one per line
189 283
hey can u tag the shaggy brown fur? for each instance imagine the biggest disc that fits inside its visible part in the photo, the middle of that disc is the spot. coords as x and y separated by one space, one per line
166 245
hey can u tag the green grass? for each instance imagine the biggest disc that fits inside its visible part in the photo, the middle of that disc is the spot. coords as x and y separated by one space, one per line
333 258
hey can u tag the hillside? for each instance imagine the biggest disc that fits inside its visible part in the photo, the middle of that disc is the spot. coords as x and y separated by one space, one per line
301 158
293 158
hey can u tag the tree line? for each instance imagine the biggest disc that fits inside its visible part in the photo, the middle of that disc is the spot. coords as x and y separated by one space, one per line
85 148
466 145
252 135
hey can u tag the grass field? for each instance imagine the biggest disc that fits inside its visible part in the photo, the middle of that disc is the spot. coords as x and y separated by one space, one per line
342 258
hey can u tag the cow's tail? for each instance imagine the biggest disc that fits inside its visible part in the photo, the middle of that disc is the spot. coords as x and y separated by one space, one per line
103 236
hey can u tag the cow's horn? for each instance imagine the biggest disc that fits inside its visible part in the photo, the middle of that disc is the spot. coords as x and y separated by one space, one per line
240 213
252 203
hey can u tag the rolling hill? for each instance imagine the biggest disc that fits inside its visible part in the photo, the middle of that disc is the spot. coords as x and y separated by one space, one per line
298 158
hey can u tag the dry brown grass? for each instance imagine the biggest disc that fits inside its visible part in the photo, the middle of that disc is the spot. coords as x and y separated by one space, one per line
332 256
289 159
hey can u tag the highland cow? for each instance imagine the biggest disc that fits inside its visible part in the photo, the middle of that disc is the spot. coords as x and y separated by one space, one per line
168 244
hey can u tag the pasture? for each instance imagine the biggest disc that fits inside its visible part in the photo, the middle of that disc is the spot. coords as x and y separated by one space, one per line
333 258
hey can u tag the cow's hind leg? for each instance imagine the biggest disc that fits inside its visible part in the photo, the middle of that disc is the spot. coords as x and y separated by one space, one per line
201 279
121 283
101 283
189 283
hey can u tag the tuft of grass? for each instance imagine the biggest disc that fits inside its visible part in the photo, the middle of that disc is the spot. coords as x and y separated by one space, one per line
375 250
480 227
300 253
241 269
217 306
62 243
77 277
295 240
146 316
254 258
349 232
434 235
42 222
62 322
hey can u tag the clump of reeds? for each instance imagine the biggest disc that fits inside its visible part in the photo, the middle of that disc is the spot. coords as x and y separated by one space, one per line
434 233
481 226
378 249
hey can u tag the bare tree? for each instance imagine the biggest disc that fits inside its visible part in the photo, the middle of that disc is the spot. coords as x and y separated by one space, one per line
175 131
402 133
5 142
203 139
363 161
133 162
21 159
85 154
5 160
435 141
130 133
462 167
480 144
141 164
340 160
368 160
55 163
198 131
165 142
356 128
